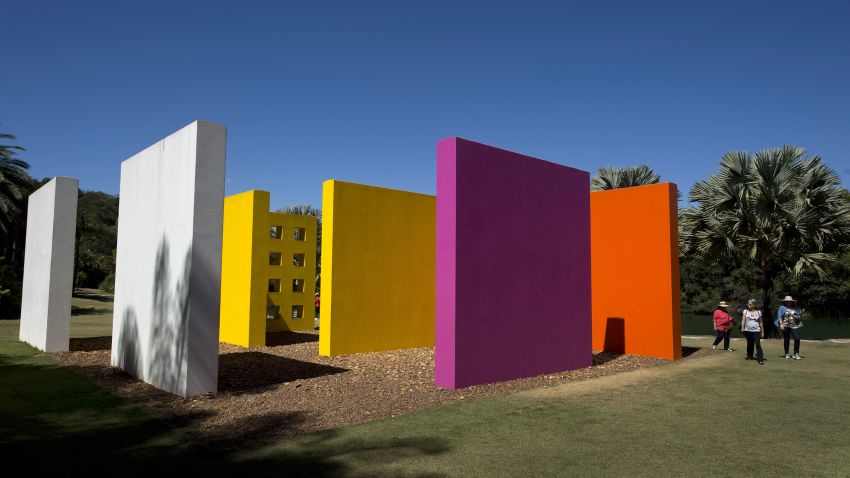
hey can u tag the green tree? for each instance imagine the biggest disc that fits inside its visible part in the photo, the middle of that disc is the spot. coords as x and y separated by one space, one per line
775 209
97 232
615 178
15 187
308 210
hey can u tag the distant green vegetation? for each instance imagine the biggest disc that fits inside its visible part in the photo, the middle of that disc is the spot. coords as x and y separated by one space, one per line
97 218
97 233
766 225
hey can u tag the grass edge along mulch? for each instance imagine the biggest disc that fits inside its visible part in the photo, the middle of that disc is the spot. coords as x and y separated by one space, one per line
273 392
660 426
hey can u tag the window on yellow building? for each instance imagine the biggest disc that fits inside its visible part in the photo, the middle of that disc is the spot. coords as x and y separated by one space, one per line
276 232
274 285
298 233
273 312
297 285
275 258
297 311
298 260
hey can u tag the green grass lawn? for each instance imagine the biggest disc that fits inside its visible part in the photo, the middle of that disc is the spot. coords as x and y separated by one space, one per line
707 416
91 313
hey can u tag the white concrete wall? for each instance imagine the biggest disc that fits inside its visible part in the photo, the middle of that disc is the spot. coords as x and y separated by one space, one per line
168 271
49 265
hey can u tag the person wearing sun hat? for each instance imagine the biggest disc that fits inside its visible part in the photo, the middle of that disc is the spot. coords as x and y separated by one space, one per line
789 319
723 322
752 327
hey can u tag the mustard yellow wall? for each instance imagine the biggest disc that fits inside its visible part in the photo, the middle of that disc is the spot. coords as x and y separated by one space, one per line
242 269
288 246
245 270
378 269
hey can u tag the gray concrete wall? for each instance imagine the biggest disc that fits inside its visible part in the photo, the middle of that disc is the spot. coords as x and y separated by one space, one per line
49 265
168 271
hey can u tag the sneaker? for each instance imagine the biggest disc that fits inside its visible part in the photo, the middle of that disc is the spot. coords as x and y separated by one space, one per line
730 350
787 356
797 357
761 362
713 347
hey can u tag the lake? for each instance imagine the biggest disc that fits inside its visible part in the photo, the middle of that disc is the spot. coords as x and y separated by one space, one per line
698 324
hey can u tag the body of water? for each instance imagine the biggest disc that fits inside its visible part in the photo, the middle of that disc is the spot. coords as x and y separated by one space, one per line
698 324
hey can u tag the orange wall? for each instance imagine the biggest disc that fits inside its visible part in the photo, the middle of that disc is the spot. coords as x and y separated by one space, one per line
635 271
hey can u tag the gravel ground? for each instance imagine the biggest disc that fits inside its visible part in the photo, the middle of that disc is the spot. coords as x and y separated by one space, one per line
286 388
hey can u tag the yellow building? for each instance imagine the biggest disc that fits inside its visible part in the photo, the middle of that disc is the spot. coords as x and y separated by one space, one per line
268 270
378 269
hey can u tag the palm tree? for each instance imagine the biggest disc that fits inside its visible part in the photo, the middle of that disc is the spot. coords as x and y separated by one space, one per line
774 209
615 178
15 186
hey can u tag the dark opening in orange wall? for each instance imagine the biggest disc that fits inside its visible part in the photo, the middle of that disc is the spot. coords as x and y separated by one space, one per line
634 253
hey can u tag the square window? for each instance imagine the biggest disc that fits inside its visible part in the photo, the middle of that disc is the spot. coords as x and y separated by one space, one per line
275 258
274 285
297 311
276 232
298 233
297 285
298 260
273 312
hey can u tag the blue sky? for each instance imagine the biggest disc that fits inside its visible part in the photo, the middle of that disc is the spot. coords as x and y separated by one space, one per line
362 91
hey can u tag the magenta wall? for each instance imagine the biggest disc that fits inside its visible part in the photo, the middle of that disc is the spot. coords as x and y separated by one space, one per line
513 266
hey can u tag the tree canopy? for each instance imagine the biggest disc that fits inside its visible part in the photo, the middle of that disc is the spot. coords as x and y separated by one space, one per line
614 178
777 209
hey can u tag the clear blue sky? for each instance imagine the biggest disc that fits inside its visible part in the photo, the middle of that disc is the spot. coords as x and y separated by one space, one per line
362 91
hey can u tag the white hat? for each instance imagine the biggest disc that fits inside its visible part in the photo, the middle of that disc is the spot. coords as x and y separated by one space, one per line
788 299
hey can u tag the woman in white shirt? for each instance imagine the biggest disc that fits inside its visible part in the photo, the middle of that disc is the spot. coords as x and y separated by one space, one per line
753 328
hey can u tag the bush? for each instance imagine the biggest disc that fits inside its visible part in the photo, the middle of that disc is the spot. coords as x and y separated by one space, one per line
108 283
10 291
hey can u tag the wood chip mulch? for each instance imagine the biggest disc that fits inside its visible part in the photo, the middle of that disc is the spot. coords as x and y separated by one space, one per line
286 388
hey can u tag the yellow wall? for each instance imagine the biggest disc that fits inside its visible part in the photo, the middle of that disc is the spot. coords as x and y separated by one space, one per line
245 270
287 246
378 269
242 269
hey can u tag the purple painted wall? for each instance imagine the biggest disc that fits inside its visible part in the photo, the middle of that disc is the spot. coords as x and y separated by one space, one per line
513 266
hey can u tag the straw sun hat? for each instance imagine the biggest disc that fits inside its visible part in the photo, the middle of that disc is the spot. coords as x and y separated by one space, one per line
723 304
788 299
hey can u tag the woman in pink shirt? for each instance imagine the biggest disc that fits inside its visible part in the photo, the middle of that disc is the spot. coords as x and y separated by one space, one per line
723 323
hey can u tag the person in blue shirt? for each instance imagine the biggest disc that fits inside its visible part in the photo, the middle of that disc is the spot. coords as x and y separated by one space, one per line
789 319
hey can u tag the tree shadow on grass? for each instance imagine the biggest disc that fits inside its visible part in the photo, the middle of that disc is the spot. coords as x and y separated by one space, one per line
327 454
255 372
76 311
100 297
101 425
89 344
